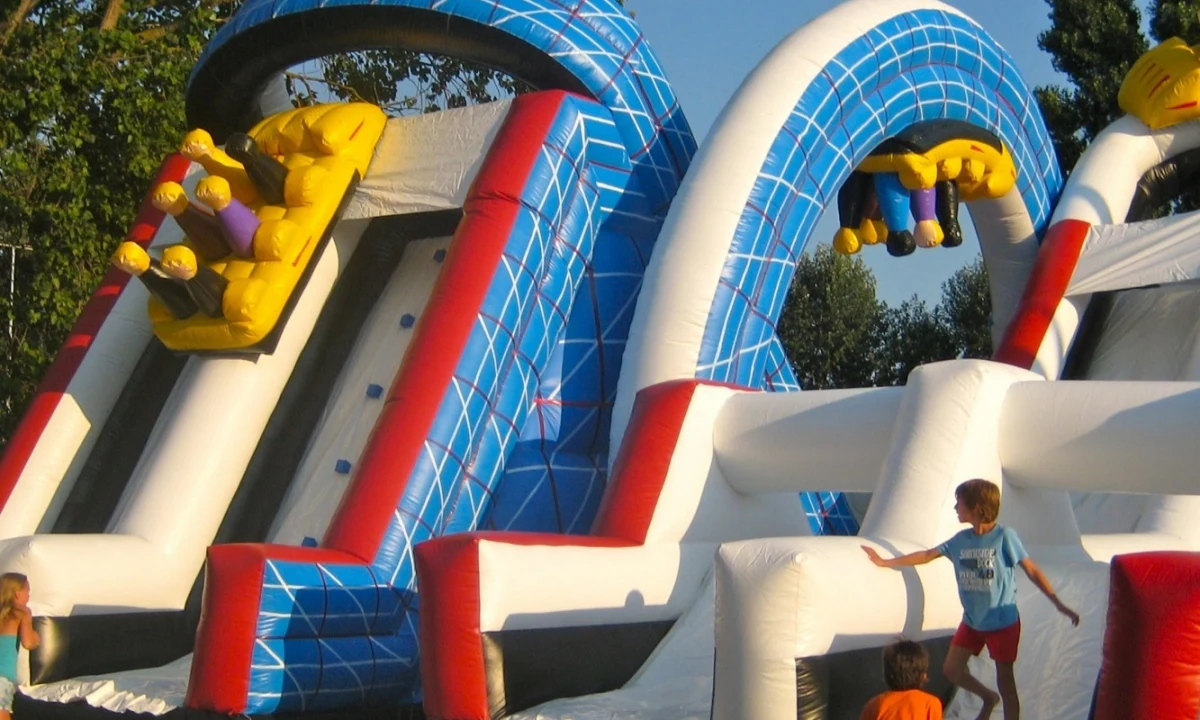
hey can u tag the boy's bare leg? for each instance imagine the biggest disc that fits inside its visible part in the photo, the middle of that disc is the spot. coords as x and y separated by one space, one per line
955 669
1006 682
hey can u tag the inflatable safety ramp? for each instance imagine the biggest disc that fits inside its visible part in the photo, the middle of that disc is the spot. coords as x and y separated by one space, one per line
698 510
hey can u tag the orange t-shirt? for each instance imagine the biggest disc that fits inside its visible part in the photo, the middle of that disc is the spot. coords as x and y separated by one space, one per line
903 705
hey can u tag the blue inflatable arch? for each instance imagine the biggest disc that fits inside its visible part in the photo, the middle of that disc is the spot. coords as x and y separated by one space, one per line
922 65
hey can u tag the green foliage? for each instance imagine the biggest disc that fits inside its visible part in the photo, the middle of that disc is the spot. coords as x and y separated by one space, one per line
837 334
1093 43
911 335
401 82
830 321
966 311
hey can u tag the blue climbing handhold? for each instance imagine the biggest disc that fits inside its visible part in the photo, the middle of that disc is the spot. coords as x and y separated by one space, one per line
342 467
308 542
374 391
439 256
406 320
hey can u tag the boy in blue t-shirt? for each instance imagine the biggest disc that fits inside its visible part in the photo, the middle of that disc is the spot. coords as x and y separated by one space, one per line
985 557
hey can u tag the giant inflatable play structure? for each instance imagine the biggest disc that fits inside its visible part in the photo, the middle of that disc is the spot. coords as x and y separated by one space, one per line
482 413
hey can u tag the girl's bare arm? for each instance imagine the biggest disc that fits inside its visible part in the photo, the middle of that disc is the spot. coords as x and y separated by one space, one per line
29 637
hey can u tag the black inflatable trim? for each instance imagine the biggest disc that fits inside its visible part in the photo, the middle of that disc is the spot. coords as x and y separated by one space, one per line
102 480
91 644
921 137
221 96
529 667
837 686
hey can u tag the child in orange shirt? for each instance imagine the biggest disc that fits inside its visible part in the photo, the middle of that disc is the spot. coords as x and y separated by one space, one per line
905 670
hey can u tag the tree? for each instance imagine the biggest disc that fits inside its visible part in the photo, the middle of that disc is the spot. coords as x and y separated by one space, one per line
966 311
830 321
837 335
1093 43
911 335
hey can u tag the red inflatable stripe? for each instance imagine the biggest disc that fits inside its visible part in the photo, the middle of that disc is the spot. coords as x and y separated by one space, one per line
1047 286
640 469
424 377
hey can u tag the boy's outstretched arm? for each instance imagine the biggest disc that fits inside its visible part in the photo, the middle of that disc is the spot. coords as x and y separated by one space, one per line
918 558
1043 583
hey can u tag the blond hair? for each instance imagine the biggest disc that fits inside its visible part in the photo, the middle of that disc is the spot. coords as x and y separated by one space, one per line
10 584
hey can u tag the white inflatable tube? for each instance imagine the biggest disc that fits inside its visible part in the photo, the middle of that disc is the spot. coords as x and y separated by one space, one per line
187 476
523 587
1010 246
786 442
76 422
1137 437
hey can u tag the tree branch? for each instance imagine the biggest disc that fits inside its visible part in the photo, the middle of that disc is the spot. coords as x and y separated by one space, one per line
18 16
112 13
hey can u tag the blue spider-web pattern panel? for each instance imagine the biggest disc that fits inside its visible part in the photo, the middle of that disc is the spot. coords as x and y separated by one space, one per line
921 65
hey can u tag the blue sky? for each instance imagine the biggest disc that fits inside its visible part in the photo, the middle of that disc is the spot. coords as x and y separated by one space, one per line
708 47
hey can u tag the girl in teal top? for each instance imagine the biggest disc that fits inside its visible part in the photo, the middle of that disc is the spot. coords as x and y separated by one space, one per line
16 629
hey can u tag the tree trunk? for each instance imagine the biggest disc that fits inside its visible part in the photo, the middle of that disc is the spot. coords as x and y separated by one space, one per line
18 16
112 14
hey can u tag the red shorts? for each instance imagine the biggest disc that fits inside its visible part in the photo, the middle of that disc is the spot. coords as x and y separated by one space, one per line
1001 644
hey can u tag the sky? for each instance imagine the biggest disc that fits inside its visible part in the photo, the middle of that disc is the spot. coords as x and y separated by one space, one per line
707 47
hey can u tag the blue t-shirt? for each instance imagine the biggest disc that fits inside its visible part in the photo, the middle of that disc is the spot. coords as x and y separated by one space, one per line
983 566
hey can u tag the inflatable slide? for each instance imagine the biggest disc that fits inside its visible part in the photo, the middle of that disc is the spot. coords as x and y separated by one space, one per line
484 410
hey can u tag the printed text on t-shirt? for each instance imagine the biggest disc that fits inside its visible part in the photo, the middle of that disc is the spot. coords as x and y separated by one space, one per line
976 568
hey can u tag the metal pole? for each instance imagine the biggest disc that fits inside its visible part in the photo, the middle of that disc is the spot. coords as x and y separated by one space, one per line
12 286
12 278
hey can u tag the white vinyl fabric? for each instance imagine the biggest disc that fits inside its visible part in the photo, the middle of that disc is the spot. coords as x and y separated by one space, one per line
167 517
1134 255
350 413
689 256
428 161
1099 192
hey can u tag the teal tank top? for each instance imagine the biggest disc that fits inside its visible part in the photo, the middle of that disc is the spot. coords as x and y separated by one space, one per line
8 657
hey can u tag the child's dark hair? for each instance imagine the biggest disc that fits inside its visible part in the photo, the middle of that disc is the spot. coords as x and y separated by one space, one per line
905 665
982 497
